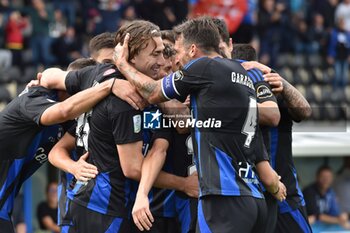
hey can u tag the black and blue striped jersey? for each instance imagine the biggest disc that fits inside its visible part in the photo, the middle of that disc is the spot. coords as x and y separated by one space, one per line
224 110
113 122
282 160
24 142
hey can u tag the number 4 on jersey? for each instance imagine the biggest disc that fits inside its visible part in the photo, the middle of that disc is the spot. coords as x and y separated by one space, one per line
250 122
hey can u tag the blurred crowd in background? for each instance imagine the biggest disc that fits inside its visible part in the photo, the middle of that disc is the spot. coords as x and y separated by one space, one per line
307 41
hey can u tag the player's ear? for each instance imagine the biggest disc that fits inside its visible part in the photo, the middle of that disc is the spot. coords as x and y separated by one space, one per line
193 50
133 61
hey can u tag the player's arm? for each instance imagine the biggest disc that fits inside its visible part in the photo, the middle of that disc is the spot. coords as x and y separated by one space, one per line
76 104
55 78
59 156
297 105
269 114
271 180
151 175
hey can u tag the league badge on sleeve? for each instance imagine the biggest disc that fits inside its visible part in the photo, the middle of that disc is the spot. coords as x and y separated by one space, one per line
137 123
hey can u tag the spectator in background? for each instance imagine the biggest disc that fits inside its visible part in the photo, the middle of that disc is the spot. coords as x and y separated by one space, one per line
269 30
321 203
67 48
343 12
339 54
342 186
59 26
67 7
14 38
327 10
41 17
111 14
319 35
47 210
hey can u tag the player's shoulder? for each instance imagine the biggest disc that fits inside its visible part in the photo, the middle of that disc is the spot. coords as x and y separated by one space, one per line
198 63
117 105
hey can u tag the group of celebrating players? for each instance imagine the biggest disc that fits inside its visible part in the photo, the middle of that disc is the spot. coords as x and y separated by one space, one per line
118 176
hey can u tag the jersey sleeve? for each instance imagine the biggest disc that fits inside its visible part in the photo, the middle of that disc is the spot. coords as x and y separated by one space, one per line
180 84
126 122
35 107
75 79
162 133
262 88
72 129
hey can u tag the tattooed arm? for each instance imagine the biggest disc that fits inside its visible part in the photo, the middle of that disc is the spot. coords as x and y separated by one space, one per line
298 106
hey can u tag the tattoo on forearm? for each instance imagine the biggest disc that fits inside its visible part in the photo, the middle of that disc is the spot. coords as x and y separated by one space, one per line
297 104
146 88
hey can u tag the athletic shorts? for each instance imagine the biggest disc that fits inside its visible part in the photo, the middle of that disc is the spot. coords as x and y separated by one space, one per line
295 221
85 220
272 212
160 225
228 214
6 226
186 211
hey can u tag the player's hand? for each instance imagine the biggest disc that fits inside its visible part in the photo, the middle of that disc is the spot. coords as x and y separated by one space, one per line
141 214
35 82
121 52
249 65
127 92
191 185
84 171
282 192
275 81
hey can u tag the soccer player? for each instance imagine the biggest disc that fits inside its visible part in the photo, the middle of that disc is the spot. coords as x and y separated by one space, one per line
229 193
28 132
101 50
293 106
114 143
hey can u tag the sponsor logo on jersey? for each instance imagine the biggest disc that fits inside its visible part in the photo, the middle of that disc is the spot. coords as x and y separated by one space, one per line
178 75
263 92
108 72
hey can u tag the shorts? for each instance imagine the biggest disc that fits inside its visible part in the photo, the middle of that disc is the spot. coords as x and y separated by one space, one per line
272 212
227 214
6 226
89 221
186 211
160 225
295 221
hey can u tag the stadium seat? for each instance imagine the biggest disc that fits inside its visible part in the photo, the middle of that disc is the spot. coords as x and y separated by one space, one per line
5 95
316 92
287 74
316 111
303 76
347 94
14 74
30 73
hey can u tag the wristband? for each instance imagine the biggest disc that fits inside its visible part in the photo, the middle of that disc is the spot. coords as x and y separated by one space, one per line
112 85
278 189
